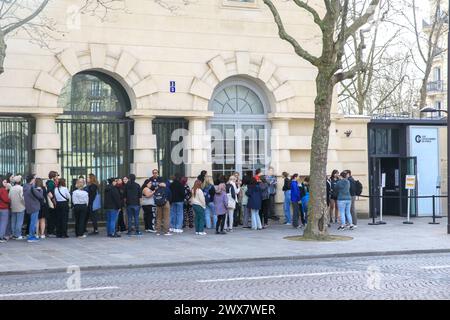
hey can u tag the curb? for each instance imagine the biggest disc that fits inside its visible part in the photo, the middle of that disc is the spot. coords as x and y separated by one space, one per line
209 262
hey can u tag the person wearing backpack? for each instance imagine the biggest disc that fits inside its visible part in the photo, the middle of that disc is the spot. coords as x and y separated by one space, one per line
162 197
209 192
33 199
355 190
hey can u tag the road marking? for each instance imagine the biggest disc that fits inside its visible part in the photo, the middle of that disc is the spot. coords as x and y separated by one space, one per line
56 291
435 267
297 275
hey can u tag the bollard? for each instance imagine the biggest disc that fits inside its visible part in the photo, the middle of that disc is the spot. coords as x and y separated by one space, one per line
434 211
373 223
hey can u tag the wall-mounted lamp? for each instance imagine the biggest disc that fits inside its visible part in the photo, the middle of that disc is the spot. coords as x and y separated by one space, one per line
348 133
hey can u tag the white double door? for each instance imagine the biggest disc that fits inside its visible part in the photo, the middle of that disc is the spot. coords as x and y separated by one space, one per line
239 146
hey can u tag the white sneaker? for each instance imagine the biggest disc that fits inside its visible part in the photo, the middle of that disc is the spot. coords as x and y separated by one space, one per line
19 238
43 236
172 230
197 233
203 233
168 234
180 230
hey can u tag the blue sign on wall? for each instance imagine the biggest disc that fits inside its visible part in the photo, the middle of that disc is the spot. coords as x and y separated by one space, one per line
173 88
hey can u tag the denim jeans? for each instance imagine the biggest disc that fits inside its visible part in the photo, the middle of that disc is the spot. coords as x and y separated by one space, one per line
16 223
133 214
4 216
256 221
33 224
344 210
111 220
209 213
287 206
176 215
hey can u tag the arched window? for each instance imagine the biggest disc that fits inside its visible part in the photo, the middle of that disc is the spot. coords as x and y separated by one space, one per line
237 99
94 131
239 129
93 92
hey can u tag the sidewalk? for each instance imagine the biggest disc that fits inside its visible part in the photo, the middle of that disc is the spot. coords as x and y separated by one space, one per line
97 252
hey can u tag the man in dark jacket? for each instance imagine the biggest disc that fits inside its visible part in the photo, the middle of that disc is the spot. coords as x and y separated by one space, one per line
112 205
176 206
132 196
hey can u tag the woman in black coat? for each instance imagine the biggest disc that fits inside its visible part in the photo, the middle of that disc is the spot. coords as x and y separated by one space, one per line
112 206
92 190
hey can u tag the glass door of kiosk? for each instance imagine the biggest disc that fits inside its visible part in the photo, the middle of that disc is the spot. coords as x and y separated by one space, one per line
395 170
408 167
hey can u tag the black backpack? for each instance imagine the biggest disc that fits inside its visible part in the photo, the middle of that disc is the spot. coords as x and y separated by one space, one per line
358 188
160 197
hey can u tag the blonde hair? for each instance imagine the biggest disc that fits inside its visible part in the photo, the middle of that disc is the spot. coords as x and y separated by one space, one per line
80 184
17 179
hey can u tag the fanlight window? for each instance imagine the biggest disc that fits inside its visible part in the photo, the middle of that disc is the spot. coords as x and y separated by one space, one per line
237 99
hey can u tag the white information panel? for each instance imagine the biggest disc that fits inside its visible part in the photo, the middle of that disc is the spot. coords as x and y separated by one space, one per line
424 144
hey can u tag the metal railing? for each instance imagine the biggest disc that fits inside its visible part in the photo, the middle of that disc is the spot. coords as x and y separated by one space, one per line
436 86
401 197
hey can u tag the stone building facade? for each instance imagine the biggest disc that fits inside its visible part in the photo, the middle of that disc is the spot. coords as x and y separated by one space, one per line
213 65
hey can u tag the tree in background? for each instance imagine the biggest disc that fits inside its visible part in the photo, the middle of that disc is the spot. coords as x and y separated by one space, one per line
379 88
337 25
429 40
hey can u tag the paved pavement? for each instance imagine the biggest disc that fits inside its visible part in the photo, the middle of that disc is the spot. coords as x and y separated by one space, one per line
424 276
150 250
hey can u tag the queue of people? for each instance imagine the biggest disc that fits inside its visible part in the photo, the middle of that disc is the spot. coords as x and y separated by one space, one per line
168 206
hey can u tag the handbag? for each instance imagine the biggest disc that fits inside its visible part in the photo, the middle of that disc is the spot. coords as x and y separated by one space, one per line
97 204
231 201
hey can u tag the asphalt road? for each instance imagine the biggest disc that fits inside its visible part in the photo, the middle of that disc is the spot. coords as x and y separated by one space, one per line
425 276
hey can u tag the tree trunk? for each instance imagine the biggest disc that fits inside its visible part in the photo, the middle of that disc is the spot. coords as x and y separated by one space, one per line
2 51
318 211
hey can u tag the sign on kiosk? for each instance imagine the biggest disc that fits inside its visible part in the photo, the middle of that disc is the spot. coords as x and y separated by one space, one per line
410 183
